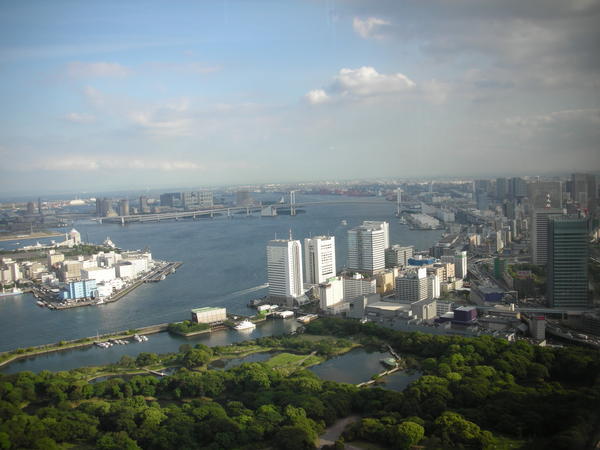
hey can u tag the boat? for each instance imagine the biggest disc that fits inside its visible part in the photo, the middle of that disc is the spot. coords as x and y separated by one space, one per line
344 223
40 303
15 291
245 325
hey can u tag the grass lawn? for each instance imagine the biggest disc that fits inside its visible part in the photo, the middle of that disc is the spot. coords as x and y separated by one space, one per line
288 362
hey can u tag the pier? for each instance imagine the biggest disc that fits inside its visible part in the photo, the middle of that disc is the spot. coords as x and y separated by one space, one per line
385 372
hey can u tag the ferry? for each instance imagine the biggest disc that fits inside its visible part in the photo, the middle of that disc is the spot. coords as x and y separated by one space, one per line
245 325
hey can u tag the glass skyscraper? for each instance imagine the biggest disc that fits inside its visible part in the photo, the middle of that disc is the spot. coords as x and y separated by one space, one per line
568 253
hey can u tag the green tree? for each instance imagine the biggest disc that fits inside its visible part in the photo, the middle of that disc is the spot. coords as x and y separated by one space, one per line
116 441
408 434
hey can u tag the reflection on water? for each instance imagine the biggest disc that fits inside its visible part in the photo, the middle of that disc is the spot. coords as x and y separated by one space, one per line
158 343
360 365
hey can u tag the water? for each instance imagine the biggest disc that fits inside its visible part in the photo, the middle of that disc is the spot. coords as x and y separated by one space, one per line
360 365
224 265
157 343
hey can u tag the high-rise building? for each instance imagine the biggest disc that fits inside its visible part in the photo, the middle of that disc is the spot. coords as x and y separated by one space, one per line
385 226
366 249
568 253
583 191
319 259
144 208
545 194
539 233
284 267
171 200
124 207
397 256
517 188
501 188
413 286
197 200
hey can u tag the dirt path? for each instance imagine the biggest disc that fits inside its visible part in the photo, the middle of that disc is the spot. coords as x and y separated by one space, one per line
332 433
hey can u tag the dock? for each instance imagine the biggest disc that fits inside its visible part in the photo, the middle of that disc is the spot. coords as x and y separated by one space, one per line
162 272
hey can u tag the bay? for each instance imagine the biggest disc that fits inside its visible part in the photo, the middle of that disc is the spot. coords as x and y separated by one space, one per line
224 265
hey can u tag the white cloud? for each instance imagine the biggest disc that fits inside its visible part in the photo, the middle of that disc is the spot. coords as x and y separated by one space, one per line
367 28
363 82
96 69
91 164
317 96
366 81
591 116
80 117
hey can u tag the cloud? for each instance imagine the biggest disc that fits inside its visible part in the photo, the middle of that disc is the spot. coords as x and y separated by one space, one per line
93 164
80 118
367 28
591 116
359 83
366 81
96 69
317 96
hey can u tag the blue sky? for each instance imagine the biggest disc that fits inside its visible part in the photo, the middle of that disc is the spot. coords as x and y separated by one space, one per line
112 95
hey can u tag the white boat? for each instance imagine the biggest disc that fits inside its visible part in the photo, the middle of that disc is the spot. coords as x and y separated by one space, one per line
344 223
245 325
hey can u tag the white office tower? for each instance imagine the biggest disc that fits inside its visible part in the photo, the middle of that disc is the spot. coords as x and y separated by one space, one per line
539 233
384 226
284 266
412 287
366 249
433 286
319 259
331 292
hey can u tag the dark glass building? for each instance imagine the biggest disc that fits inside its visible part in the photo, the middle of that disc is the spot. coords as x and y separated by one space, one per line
568 253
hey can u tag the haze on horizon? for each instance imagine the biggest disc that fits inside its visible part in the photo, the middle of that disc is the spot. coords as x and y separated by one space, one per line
110 95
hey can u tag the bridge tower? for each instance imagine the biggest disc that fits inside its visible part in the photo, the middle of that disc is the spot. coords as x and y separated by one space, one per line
398 201
292 203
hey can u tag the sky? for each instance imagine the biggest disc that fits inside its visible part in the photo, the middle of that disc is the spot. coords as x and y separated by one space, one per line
127 94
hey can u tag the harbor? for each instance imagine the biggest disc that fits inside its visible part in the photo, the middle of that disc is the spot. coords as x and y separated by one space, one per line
47 297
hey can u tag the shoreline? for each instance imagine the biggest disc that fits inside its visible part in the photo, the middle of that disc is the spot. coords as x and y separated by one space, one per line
39 235
80 343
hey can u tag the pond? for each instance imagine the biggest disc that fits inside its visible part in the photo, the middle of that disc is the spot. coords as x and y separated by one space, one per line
360 365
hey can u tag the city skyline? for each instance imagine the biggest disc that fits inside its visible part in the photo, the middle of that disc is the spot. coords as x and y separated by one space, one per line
111 96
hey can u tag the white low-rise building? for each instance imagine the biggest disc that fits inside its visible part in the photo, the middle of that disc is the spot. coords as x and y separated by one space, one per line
100 274
331 292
